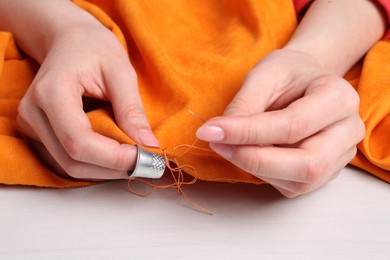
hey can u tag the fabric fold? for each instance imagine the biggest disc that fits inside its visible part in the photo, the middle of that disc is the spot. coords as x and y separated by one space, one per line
190 59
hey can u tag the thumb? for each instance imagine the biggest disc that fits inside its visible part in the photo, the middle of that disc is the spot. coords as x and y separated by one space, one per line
128 108
255 94
238 123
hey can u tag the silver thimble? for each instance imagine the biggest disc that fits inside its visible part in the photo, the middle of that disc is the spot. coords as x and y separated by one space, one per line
148 165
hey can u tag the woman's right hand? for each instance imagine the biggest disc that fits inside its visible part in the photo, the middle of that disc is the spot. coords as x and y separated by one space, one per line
84 60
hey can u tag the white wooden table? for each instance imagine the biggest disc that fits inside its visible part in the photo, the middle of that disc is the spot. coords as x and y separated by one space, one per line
347 219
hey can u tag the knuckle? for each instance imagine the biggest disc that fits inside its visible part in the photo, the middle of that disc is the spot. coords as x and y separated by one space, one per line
349 99
238 106
295 130
360 131
72 168
350 105
247 132
313 170
120 162
132 111
74 146
24 109
352 154
40 91
355 100
254 164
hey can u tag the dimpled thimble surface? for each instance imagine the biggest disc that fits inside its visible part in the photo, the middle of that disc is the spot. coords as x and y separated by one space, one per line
148 165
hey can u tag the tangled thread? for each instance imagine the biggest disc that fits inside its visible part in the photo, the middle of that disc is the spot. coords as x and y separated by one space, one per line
177 174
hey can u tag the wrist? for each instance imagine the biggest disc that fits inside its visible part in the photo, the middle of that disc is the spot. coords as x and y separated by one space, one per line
337 33
299 56
66 23
324 52
42 22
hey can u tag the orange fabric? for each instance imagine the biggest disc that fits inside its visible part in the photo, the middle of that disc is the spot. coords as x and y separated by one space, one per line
374 90
189 56
18 162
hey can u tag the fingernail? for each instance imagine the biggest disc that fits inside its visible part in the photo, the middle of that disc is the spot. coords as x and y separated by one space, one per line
148 138
210 133
224 150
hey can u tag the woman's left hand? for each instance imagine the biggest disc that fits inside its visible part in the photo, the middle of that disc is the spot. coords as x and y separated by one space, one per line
292 124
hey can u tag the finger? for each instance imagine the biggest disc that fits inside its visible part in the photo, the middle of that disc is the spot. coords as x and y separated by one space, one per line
271 80
292 189
303 118
26 129
78 170
290 164
127 105
307 163
35 141
65 128
257 81
56 157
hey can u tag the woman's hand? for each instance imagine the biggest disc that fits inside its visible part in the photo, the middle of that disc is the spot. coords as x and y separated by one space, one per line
295 121
84 60
292 124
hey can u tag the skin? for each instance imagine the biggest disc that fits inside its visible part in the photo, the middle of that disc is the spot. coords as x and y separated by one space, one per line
297 135
303 128
57 33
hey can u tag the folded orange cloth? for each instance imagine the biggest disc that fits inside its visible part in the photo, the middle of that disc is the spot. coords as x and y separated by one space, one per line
373 86
191 58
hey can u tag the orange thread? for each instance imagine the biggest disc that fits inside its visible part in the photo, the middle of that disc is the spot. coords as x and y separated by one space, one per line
177 173
195 115
189 147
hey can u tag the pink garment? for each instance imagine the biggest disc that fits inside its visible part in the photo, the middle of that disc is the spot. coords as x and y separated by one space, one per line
301 4
386 6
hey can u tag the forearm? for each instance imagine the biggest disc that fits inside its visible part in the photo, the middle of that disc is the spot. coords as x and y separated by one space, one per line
338 33
35 23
